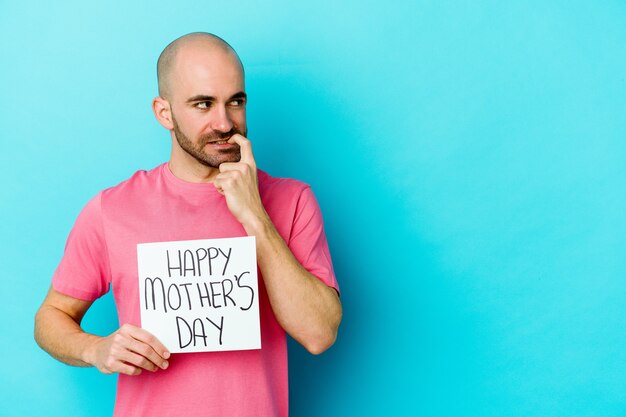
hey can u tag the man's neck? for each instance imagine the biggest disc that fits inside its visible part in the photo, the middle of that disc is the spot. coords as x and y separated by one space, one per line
192 171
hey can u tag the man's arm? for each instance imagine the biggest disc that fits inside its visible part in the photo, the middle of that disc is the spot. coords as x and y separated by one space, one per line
129 350
306 308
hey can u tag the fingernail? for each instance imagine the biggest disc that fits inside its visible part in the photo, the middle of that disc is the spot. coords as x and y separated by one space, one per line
166 355
165 365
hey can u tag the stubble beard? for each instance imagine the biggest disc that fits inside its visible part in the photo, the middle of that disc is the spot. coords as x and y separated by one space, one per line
197 150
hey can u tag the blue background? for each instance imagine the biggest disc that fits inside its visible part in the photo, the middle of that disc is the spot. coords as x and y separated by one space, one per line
469 158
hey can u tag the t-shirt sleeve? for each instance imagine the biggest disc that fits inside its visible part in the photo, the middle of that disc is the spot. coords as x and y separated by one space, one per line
84 270
308 241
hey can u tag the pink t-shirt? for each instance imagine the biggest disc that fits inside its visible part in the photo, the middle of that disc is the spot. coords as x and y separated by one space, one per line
156 206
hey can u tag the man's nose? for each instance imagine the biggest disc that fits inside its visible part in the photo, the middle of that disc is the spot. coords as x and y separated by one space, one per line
221 121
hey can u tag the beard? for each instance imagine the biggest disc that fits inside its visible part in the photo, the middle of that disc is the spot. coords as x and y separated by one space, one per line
212 160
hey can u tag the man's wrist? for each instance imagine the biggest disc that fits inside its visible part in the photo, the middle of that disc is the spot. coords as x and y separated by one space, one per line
258 226
88 351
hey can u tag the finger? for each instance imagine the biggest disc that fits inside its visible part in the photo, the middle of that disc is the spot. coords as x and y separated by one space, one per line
218 182
145 344
148 338
226 180
126 348
231 166
245 148
116 365
123 368
145 351
138 361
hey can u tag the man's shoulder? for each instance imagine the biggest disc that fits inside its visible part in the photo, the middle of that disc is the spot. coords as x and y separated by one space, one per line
283 196
140 181
136 191
268 183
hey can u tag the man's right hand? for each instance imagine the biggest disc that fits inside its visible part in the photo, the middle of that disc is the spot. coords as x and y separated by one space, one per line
127 351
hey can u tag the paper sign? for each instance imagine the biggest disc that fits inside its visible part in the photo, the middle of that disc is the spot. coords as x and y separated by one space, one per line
200 295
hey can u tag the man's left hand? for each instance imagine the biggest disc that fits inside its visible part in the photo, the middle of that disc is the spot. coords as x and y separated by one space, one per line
237 181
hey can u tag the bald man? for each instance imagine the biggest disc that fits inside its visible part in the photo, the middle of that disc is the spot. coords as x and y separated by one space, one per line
209 188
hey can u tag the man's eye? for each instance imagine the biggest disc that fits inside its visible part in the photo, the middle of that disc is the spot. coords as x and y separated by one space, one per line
203 105
237 103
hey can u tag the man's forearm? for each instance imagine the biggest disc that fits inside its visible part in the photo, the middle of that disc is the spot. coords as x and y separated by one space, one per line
128 350
59 335
306 308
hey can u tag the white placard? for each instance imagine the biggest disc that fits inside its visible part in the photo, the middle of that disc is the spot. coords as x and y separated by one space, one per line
200 295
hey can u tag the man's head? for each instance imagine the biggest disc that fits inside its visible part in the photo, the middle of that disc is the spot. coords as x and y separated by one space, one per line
202 98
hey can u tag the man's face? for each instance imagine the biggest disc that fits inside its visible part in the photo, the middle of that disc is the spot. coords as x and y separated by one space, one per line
208 106
209 149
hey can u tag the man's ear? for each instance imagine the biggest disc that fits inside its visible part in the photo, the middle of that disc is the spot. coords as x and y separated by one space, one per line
162 112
